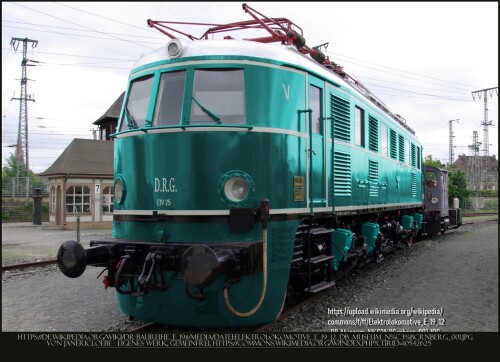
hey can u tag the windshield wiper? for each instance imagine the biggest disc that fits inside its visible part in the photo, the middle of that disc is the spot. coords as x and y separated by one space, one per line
210 114
130 118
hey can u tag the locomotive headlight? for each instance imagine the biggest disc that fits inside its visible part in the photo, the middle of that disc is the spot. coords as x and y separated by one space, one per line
174 48
119 189
434 200
236 187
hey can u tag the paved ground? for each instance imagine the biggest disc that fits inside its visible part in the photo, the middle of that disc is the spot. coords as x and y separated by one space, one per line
25 242
453 288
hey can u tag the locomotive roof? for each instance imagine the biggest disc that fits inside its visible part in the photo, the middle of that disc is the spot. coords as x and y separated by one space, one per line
285 54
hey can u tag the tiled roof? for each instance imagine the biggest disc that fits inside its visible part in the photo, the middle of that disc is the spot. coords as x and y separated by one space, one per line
84 157
113 111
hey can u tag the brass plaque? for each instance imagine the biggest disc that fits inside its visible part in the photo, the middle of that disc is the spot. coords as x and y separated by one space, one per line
298 195
298 188
298 182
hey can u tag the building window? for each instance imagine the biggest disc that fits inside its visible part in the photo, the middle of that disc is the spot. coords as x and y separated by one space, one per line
53 200
77 199
107 199
359 123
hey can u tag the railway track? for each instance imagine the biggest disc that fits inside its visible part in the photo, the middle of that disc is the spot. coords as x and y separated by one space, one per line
33 264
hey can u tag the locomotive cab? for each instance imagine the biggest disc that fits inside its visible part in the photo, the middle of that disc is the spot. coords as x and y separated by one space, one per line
440 216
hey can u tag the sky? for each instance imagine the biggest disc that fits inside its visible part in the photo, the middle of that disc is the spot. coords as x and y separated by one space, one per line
424 60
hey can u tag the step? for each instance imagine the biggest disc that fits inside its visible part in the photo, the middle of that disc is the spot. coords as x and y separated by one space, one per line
321 231
319 259
320 286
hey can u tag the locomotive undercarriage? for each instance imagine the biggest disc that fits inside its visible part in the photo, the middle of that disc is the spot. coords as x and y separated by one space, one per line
312 265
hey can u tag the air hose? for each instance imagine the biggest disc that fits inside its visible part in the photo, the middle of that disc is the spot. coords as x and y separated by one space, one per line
264 205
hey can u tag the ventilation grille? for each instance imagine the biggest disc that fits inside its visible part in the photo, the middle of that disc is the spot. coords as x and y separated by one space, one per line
413 155
372 134
413 184
394 145
373 177
340 111
341 174
401 148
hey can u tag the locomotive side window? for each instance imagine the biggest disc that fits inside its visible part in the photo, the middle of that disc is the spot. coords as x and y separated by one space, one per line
383 131
418 158
359 124
136 108
218 96
169 102
407 152
430 179
315 104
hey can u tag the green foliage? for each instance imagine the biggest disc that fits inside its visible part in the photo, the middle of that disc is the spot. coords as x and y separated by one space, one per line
10 170
457 186
5 215
428 161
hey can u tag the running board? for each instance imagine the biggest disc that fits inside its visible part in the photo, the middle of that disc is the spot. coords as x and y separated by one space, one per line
320 286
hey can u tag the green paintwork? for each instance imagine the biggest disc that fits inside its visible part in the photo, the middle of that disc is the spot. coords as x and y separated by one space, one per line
341 239
370 232
407 222
174 307
418 220
184 169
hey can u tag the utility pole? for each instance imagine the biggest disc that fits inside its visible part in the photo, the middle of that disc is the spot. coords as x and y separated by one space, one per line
474 164
485 123
451 140
22 150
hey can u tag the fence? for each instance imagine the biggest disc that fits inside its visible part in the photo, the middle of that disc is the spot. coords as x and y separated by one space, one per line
476 203
21 187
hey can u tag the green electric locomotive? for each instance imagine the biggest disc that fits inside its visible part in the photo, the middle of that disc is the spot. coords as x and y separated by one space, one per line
247 170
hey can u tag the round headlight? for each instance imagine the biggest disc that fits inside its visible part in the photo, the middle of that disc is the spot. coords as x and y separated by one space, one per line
434 200
236 189
174 48
119 190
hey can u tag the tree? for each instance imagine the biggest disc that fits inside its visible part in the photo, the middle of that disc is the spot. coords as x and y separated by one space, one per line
428 161
10 170
457 187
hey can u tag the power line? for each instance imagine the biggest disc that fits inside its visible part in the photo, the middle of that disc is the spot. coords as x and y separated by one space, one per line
85 30
85 27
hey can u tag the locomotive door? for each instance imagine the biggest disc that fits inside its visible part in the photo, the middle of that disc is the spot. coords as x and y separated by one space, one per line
316 146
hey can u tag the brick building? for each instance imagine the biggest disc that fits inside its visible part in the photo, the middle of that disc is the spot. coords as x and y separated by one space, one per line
474 170
81 180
